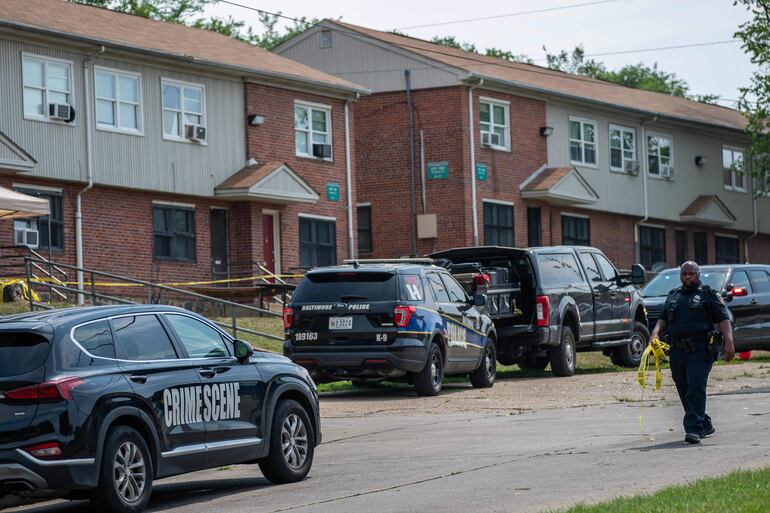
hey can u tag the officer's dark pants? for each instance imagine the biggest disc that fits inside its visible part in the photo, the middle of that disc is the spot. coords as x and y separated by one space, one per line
690 372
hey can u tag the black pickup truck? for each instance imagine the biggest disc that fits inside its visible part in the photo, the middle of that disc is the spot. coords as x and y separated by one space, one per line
547 303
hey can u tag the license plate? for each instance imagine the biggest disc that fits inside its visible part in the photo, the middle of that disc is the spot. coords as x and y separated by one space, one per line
340 323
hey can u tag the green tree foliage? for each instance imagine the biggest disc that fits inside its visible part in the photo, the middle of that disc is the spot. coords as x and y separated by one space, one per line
755 98
452 42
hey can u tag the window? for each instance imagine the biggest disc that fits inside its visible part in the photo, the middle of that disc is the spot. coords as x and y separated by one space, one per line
455 290
411 288
592 270
56 219
575 231
726 250
493 119
659 153
118 101
438 287
498 224
558 270
701 248
608 270
326 39
198 339
142 337
622 148
760 280
680 238
173 232
183 104
652 244
732 164
96 338
45 81
317 242
534 228
364 213
20 353
582 142
312 125
741 279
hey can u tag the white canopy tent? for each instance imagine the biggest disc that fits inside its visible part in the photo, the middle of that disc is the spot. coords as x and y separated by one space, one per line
17 205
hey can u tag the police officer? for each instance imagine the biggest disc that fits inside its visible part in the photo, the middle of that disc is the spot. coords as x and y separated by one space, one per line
689 314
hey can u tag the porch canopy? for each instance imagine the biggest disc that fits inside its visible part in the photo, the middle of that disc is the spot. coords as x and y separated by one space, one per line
15 204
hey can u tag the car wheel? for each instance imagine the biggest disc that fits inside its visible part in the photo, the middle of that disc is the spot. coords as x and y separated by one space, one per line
630 355
291 444
125 477
430 379
563 356
485 374
538 363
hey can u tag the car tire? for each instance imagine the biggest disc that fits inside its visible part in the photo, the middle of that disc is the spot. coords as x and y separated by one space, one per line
630 355
562 357
430 379
292 444
538 363
126 472
484 375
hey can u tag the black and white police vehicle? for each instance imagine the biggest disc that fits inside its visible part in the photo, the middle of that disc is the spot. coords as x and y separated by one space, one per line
99 402
401 319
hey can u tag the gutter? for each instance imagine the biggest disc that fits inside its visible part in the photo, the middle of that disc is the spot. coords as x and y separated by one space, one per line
89 171
471 131
756 230
349 181
645 172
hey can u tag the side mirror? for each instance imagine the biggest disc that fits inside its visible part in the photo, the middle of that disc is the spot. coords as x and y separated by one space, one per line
479 300
637 274
729 287
243 350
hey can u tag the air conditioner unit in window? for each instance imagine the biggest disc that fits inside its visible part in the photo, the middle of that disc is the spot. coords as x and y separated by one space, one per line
26 237
195 132
667 171
490 139
61 112
322 151
631 167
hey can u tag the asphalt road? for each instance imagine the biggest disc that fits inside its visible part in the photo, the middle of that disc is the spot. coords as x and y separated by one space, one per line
525 462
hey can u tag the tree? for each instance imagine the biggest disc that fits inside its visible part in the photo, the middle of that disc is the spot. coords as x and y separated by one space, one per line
452 42
508 56
754 101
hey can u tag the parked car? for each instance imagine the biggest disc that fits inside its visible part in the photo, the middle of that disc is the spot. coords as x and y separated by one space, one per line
547 303
745 289
99 402
389 319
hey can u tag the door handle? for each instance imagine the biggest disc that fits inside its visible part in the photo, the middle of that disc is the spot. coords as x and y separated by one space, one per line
439 309
136 378
207 373
220 370
753 301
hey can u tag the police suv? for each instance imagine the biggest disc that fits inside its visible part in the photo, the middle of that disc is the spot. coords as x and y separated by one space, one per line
98 402
389 319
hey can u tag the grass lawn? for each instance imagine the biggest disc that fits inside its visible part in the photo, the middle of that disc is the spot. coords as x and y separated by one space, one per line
737 492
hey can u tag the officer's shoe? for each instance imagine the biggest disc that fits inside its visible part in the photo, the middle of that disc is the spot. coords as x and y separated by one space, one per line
707 432
692 438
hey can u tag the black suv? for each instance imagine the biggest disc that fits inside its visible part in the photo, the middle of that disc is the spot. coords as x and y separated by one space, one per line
399 319
98 402
745 289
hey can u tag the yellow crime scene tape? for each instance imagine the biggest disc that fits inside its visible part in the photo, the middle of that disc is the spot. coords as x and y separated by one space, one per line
23 283
172 284
657 349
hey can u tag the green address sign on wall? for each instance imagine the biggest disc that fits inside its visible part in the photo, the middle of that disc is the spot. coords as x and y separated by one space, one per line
332 191
438 170
481 171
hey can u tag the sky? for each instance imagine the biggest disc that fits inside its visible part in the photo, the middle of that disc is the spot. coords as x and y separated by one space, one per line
611 26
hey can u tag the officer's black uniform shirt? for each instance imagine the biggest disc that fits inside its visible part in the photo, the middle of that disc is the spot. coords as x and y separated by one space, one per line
685 311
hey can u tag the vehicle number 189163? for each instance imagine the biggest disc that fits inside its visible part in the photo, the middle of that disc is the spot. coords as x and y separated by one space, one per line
306 336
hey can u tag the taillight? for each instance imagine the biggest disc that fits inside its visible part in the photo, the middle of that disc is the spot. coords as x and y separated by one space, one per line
739 291
543 309
402 314
481 279
48 450
50 391
288 317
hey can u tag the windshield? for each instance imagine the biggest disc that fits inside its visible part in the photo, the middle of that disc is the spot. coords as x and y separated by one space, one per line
347 286
662 284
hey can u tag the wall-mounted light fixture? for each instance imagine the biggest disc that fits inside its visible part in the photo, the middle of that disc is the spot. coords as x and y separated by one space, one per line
546 131
700 160
256 119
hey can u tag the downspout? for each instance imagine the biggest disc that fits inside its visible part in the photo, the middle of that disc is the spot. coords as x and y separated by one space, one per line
756 229
645 171
349 180
473 163
407 77
89 172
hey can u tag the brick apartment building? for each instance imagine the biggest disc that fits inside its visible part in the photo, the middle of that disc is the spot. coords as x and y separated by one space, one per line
202 152
516 154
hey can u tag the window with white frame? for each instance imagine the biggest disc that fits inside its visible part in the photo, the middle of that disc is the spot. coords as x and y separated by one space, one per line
732 163
118 100
659 153
45 81
312 125
582 141
183 104
622 148
494 119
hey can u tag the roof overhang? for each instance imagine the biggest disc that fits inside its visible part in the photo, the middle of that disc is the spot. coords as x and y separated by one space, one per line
13 157
559 186
272 183
708 210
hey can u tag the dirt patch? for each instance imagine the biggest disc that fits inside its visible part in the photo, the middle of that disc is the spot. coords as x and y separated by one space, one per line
514 395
